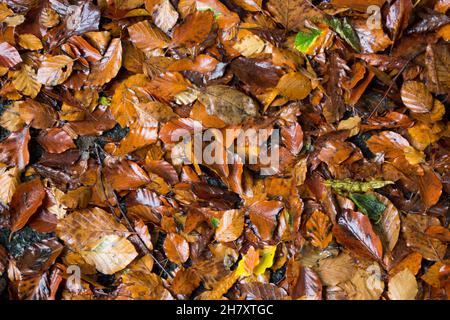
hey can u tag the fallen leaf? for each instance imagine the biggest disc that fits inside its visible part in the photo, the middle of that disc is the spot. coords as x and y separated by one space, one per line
354 230
176 248
403 286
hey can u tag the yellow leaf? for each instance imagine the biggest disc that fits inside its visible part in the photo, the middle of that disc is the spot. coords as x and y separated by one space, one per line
25 81
414 156
353 124
294 85
9 180
30 41
266 259
422 136
11 120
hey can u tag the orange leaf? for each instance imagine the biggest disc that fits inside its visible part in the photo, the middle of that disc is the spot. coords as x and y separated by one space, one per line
107 67
318 228
25 201
176 248
195 29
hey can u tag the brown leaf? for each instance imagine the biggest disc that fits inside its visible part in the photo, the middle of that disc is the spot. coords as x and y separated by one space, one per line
414 229
55 140
194 30
146 37
228 104
127 95
14 149
185 281
354 230
176 248
372 40
107 67
304 283
437 61
125 175
25 201
263 215
430 187
397 18
389 224
291 14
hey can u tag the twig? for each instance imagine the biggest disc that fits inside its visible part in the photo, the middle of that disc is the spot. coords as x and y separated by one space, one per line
124 215
393 83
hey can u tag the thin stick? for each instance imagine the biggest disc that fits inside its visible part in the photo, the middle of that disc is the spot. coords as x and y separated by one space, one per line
124 215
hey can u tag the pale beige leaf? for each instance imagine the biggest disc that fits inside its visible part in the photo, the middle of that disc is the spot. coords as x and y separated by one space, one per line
365 284
165 16
231 226
403 286
110 254
9 180
250 45
333 271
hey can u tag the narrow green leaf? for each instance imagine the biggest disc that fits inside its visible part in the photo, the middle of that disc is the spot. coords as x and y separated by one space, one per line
369 205
344 29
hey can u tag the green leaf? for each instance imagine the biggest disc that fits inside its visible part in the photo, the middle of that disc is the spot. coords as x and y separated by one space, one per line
369 205
304 40
215 222
356 186
345 30
105 101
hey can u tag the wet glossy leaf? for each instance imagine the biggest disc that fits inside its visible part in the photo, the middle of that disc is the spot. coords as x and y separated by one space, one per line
355 231
176 248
